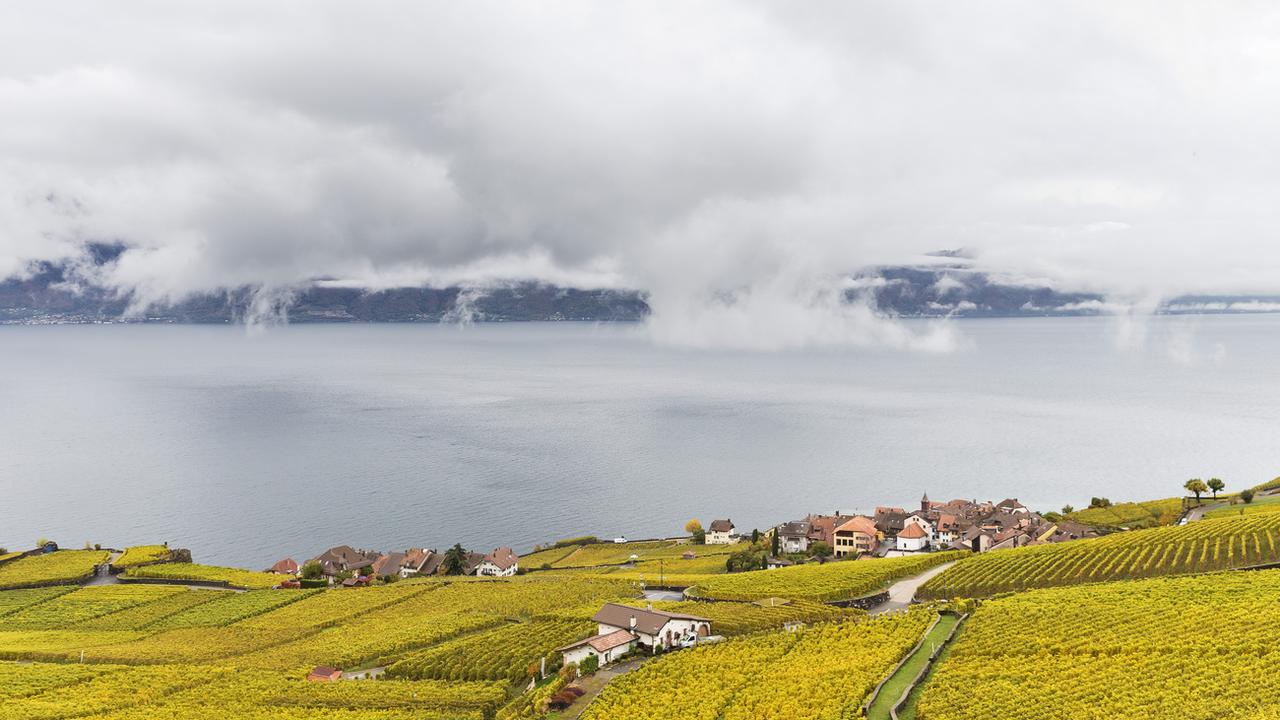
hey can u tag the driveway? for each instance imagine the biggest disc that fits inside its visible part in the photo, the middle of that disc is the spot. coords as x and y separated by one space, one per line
903 592
597 682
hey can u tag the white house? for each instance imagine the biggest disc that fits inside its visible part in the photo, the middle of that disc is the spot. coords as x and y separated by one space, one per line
912 538
607 647
793 537
652 628
921 522
720 533
502 562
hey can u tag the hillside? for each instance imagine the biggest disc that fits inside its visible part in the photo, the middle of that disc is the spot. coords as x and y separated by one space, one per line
67 293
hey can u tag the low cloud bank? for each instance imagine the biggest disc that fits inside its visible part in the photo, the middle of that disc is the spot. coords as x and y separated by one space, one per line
735 161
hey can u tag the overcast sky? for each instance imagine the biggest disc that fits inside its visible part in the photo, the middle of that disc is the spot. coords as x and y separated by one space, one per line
735 158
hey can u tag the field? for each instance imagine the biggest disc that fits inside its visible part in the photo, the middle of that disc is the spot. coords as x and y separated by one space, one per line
1194 548
175 652
1261 504
598 554
207 573
822 672
1134 515
139 554
1119 651
830 581
60 566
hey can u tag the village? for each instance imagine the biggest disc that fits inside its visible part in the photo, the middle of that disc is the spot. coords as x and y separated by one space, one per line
623 630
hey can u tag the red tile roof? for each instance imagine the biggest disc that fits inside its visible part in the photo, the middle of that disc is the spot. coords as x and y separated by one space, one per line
503 557
912 531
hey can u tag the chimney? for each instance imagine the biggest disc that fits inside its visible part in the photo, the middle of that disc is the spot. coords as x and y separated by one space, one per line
633 623
648 606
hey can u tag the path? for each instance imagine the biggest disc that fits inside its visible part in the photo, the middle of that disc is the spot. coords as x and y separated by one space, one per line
595 683
1197 513
102 573
903 592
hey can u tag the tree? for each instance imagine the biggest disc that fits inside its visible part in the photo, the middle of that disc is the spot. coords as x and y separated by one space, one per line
1216 486
694 528
820 549
455 560
1067 509
755 536
1099 502
311 570
1197 486
774 546
1246 495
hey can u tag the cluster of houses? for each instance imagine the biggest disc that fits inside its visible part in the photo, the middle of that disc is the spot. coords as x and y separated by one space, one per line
346 565
952 525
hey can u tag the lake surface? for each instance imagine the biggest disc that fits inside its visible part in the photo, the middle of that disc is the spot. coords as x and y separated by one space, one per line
247 448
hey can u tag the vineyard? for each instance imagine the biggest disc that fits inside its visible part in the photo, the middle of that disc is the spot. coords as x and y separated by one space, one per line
1120 651
140 554
838 580
503 653
741 618
1201 546
61 566
130 652
600 554
234 577
822 672
1133 516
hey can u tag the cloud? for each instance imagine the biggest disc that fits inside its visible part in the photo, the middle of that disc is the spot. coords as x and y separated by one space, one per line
733 159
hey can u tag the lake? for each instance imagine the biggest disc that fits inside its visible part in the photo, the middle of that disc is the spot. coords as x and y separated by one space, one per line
250 447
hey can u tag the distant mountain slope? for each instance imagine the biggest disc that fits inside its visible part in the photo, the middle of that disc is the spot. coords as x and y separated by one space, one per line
59 294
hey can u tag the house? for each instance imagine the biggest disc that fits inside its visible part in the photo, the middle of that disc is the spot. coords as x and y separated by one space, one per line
889 520
388 564
357 581
48 547
689 555
653 629
344 558
502 562
287 566
974 539
855 537
720 533
471 562
822 528
773 563
324 673
793 537
912 539
1011 505
919 521
946 528
607 647
420 561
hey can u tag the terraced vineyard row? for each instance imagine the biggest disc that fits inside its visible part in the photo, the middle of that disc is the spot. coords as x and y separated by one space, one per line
1120 651
500 654
61 566
1197 547
234 577
830 581
825 671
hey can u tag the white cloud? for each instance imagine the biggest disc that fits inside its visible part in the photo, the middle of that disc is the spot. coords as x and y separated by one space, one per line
700 151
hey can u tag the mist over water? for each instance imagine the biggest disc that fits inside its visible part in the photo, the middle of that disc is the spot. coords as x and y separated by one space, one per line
247 448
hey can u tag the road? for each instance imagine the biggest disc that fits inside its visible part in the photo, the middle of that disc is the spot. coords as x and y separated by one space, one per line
903 592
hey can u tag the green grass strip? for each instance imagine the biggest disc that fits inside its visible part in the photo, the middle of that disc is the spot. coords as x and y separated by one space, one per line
898 683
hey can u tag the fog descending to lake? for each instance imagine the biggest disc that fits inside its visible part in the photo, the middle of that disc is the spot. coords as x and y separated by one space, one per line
247 448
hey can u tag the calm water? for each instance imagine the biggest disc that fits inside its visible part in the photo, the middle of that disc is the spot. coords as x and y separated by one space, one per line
248 448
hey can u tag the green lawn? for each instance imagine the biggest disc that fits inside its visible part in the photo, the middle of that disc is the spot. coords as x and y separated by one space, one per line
1260 504
892 690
